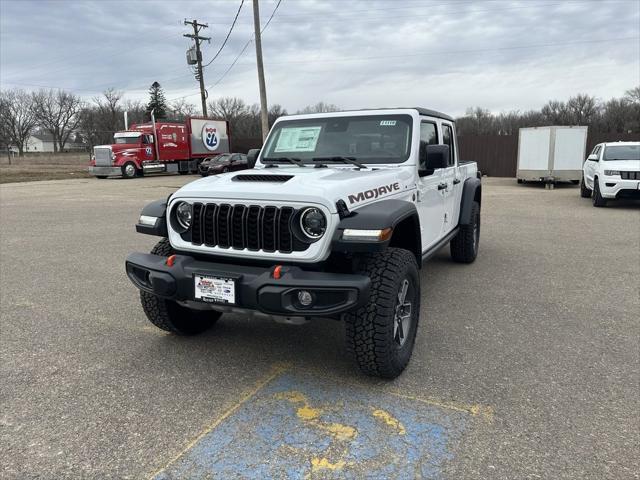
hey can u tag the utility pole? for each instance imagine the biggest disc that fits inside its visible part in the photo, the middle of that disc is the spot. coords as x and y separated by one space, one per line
264 115
198 60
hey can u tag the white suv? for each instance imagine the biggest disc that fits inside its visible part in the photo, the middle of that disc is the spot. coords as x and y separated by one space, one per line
612 171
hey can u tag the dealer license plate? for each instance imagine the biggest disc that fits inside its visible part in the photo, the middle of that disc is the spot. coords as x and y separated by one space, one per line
215 289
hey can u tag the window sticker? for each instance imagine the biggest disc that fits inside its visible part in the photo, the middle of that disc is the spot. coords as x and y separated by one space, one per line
298 139
387 123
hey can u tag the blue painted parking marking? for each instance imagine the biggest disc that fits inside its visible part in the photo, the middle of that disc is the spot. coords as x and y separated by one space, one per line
298 426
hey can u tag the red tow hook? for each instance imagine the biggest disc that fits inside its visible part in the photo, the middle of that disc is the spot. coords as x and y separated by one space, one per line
277 272
171 260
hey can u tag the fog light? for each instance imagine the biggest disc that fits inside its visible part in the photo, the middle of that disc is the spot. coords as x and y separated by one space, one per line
305 298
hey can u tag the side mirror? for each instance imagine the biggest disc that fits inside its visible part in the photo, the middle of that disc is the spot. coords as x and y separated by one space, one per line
432 158
592 158
252 157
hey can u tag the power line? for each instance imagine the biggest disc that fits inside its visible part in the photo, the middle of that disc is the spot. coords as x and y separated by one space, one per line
352 59
227 37
246 45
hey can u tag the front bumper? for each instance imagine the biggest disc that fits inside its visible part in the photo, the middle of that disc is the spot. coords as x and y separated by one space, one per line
256 288
105 171
615 187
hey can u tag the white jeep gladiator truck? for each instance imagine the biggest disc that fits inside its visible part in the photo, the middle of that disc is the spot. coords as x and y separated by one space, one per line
334 221
611 171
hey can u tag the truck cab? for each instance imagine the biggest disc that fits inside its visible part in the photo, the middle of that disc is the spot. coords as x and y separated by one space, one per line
334 221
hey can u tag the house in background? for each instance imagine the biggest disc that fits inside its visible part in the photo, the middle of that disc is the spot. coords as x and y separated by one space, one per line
39 142
43 142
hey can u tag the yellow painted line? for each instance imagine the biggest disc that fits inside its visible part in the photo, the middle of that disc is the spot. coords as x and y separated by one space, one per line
276 371
390 420
483 411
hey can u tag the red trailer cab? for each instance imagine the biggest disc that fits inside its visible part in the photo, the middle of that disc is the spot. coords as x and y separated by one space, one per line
161 147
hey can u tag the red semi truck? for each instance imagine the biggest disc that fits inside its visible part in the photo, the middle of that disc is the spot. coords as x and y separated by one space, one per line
161 147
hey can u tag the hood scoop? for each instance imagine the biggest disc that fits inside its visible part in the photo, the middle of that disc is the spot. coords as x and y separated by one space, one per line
262 178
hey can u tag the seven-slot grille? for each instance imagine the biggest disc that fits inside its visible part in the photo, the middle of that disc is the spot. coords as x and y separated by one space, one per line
245 226
630 175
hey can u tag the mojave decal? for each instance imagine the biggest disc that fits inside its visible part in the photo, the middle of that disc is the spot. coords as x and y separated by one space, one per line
374 193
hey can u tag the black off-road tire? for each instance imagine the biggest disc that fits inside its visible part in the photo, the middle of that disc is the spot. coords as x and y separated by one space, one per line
464 246
169 315
585 192
370 329
520 181
598 200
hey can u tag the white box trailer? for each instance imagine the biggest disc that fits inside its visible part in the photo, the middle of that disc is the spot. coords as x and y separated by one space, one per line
550 154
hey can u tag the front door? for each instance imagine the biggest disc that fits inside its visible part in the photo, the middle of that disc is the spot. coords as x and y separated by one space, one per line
430 201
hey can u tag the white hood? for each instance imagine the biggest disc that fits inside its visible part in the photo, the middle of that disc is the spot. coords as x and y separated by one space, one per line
324 186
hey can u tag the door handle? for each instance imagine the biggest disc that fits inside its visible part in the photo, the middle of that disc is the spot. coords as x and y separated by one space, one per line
456 181
442 186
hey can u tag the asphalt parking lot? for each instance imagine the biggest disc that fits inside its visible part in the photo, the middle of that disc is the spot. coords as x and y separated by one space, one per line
526 363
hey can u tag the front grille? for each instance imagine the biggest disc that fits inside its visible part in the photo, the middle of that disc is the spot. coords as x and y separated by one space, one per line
103 156
245 226
630 175
262 178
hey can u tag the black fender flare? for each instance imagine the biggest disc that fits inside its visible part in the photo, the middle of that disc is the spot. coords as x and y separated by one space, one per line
376 216
471 191
157 209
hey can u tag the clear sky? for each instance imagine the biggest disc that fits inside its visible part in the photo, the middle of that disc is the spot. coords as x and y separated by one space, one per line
442 54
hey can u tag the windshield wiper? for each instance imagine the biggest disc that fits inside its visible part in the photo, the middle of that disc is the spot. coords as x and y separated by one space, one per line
295 161
338 158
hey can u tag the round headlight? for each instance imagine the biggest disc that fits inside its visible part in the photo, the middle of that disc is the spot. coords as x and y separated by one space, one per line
183 215
313 223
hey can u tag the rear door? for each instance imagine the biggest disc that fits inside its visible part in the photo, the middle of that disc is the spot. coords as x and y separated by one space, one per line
450 177
430 202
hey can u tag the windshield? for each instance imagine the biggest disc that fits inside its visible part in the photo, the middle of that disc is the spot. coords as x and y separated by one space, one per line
221 158
622 152
129 140
365 139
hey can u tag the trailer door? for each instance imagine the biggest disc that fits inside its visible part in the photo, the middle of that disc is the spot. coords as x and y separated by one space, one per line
533 149
569 148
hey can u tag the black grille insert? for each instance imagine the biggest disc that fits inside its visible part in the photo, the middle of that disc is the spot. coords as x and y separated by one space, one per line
245 226
630 175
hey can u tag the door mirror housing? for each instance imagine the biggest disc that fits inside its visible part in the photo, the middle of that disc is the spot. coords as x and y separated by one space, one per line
252 157
433 157
593 157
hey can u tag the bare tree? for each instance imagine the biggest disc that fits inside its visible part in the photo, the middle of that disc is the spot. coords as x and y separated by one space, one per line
276 111
17 118
136 111
59 113
181 109
228 108
555 112
633 95
582 109
110 110
618 116
320 107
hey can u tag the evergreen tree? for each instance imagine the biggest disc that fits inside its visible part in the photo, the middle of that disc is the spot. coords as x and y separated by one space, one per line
157 102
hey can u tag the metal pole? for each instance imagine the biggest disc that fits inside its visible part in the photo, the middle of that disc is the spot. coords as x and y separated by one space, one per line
264 115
